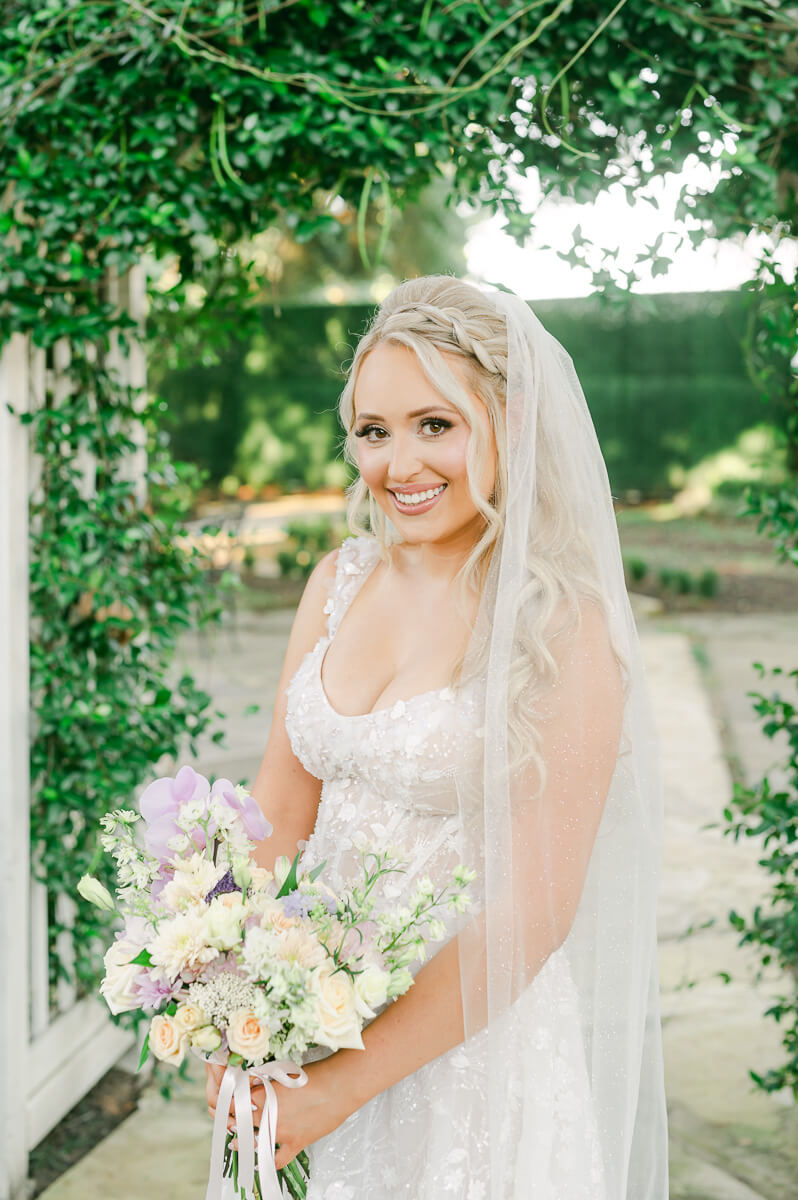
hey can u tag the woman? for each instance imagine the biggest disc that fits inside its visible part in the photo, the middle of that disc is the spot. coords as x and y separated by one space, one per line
465 682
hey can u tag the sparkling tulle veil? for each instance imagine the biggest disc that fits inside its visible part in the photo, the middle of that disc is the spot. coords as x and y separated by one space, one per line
563 820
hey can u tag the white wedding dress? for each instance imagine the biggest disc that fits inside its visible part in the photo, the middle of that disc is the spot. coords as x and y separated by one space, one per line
388 775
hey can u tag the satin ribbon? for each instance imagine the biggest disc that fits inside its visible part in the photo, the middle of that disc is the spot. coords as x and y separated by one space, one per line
235 1086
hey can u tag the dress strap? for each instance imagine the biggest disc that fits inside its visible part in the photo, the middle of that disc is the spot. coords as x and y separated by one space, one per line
357 558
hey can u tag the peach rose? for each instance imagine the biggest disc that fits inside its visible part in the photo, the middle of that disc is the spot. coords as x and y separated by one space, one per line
248 1034
168 1041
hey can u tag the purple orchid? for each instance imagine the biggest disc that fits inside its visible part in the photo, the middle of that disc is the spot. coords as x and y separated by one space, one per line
253 820
160 804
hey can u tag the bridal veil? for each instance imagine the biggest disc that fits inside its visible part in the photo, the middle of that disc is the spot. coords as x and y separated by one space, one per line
561 818
563 822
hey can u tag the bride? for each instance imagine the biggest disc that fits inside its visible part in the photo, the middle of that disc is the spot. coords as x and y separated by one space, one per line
463 680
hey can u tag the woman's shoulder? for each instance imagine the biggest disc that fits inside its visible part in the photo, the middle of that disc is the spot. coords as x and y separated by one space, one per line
332 573
356 554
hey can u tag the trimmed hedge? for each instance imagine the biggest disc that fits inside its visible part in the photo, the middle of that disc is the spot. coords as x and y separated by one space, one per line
664 377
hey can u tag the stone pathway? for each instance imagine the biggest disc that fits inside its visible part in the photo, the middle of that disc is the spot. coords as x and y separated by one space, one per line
728 1141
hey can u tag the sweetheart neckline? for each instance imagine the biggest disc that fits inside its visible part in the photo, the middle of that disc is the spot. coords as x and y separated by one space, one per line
374 712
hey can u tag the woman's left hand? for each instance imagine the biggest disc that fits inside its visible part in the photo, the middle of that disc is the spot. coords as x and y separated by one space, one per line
304 1114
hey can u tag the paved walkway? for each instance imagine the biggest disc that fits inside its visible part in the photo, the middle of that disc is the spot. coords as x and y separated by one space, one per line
729 1142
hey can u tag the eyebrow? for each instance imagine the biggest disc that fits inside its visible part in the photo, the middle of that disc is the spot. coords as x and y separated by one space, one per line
419 412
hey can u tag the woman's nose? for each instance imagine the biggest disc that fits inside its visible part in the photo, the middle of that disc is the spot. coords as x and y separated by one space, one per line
405 460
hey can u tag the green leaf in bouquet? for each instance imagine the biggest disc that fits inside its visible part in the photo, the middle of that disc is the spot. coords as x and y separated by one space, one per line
145 1050
142 959
171 1008
314 874
290 881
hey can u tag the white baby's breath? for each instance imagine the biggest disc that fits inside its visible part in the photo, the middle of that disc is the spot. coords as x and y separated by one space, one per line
223 995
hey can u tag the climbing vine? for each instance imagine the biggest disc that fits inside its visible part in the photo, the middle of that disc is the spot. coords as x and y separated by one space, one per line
166 132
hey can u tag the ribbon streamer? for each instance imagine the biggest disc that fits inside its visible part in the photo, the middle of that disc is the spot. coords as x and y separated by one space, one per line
235 1087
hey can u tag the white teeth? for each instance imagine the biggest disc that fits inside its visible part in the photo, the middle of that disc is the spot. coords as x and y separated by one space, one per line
420 497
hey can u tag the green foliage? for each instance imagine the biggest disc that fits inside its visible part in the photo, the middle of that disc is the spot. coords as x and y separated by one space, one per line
768 813
308 541
636 569
180 129
110 592
664 377
708 583
158 131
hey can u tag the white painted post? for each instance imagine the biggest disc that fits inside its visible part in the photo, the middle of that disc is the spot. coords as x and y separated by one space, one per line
14 807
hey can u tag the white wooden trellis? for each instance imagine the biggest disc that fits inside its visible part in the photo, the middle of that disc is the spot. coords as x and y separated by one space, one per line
53 1048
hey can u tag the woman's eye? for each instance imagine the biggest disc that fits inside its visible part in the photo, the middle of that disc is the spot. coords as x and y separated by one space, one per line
372 433
436 425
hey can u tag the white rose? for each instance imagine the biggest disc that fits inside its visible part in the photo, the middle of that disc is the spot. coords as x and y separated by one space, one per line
371 990
168 1041
120 976
190 1017
339 1026
223 921
206 1039
248 1034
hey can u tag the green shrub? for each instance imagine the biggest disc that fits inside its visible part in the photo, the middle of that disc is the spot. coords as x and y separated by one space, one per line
308 542
708 583
768 812
636 569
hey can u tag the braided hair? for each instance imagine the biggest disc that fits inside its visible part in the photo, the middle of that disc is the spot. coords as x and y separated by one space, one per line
438 316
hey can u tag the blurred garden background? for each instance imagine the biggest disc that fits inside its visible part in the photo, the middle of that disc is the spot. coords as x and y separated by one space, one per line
200 206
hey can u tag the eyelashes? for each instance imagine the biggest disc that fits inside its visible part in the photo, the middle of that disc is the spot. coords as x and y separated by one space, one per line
438 421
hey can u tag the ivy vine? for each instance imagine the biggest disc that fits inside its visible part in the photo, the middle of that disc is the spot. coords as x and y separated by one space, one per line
173 130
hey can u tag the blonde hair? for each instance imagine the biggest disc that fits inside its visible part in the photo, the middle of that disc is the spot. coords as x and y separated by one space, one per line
437 316
432 316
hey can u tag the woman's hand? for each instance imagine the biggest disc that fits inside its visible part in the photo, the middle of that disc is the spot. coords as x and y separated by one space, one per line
304 1114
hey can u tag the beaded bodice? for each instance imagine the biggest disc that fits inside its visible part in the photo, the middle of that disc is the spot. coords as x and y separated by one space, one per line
388 775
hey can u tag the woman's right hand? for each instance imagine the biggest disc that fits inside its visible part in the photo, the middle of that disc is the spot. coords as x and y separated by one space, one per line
214 1075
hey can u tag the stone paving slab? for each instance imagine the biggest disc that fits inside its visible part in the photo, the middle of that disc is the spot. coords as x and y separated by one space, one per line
728 1141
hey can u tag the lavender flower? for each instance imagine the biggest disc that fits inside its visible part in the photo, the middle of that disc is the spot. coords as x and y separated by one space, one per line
226 884
295 904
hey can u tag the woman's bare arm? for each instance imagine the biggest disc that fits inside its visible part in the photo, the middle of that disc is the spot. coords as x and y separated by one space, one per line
287 794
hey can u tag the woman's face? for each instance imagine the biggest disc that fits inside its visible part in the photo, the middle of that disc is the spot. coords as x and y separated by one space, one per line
411 448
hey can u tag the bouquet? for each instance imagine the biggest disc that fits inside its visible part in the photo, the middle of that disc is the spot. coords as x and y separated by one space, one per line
249 968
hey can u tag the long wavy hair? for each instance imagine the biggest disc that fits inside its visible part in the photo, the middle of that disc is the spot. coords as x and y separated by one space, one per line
437 316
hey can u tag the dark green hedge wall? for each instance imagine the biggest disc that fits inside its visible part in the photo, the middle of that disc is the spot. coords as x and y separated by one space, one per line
664 377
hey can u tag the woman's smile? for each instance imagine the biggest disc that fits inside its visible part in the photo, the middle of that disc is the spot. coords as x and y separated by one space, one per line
413 449
415 499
